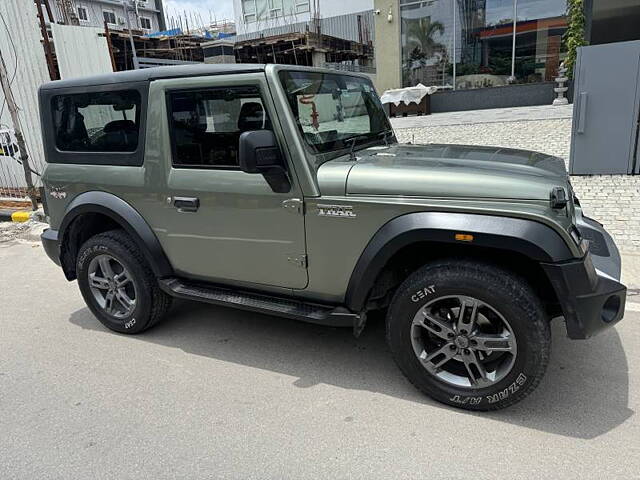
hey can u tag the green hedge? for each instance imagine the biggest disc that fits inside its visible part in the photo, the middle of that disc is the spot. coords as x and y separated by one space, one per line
574 37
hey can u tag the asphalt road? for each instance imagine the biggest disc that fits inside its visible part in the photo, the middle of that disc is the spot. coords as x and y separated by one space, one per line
218 393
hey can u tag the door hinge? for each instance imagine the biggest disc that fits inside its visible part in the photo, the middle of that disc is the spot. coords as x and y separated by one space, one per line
298 260
294 205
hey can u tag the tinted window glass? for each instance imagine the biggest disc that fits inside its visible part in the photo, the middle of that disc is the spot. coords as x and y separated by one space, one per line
615 21
97 121
206 124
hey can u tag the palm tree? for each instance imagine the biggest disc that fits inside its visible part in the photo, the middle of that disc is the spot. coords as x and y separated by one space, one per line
421 46
420 41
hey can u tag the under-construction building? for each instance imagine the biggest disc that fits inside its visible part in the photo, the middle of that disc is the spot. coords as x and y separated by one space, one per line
321 33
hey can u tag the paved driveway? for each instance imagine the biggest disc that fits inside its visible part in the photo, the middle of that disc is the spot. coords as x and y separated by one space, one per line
218 393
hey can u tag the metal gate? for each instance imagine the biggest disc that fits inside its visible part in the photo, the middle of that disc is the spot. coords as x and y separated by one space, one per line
606 114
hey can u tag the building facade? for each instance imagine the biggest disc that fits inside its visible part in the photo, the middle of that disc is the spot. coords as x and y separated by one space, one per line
256 18
610 21
144 15
469 44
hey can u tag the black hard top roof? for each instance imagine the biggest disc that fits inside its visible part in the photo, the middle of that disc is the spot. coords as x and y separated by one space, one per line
148 74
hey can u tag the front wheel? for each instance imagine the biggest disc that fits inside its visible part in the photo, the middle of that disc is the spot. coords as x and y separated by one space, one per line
469 334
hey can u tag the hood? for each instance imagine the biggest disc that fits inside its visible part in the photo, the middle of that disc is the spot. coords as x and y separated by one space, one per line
455 171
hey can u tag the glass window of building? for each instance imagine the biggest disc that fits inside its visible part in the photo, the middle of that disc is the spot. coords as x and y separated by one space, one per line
615 21
478 36
257 10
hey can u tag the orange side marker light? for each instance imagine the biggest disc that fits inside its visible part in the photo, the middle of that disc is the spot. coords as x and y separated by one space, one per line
464 237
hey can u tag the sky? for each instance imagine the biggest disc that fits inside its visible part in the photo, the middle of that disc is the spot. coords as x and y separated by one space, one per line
206 9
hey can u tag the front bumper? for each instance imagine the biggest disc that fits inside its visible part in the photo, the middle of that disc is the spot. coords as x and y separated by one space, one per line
51 245
589 291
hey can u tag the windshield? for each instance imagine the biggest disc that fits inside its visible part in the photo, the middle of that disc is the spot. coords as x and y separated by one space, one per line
334 111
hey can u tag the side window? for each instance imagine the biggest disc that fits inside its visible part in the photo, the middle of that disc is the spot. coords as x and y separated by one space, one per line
109 17
97 121
206 124
82 14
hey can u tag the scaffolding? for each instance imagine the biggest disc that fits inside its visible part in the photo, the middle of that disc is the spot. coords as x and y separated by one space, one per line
304 48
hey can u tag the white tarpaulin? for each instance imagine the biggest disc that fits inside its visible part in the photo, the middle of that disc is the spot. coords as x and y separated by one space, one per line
407 95
81 51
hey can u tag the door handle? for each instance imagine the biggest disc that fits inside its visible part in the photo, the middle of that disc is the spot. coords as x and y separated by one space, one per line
582 114
186 204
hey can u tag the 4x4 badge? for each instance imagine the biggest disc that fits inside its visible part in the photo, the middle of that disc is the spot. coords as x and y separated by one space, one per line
57 192
345 211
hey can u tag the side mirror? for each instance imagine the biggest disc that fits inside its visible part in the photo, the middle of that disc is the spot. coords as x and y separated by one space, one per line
259 152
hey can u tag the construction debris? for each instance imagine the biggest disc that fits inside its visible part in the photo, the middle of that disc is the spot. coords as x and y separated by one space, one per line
22 232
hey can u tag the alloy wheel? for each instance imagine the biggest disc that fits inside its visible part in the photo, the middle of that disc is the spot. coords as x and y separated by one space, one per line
112 286
463 341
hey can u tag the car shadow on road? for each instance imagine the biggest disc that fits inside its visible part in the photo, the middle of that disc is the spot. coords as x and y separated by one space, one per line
585 393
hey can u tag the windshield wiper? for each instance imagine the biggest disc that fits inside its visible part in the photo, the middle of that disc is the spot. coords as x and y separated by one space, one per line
356 138
353 141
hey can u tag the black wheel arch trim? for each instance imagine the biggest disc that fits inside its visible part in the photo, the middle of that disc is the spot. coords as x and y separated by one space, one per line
533 239
124 215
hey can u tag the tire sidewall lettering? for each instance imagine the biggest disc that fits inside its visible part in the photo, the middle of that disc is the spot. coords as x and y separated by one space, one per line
89 252
423 293
505 393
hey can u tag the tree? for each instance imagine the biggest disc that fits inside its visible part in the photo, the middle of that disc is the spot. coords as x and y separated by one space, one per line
420 33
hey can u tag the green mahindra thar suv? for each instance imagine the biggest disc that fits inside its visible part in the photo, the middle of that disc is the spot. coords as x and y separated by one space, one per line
283 190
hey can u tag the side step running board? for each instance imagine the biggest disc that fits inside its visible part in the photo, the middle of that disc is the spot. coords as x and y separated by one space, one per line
255 302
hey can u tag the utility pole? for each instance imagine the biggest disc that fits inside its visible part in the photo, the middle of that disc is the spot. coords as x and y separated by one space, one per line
513 42
22 149
455 7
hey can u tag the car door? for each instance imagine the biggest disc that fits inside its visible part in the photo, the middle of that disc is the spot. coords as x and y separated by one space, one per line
219 223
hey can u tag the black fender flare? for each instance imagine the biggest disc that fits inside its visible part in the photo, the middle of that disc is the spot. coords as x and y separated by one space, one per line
535 240
127 217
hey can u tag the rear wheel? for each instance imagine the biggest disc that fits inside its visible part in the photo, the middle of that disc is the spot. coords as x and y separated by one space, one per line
469 334
118 285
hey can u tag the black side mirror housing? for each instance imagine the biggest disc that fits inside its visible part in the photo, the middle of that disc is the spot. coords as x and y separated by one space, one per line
259 152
